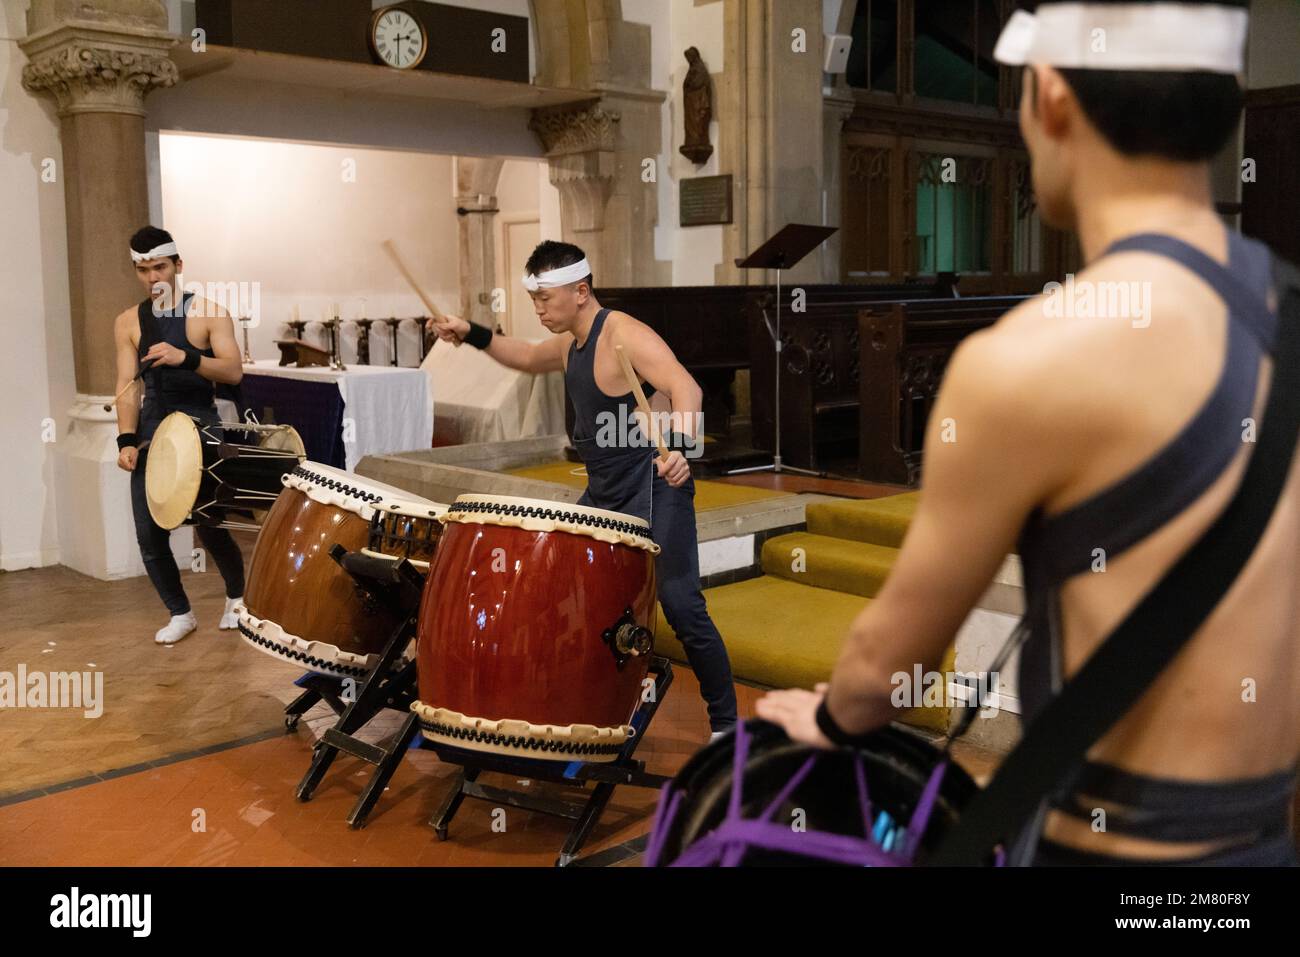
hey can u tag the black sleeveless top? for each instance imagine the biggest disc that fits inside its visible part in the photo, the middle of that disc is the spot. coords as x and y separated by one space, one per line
1056 548
167 388
616 453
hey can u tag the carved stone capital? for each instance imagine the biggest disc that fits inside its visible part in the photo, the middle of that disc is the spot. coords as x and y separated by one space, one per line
570 129
88 69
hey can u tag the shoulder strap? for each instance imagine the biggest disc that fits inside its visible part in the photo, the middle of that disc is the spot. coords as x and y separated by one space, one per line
150 330
1125 665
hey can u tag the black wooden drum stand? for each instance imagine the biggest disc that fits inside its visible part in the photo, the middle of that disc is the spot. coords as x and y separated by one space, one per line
390 684
606 775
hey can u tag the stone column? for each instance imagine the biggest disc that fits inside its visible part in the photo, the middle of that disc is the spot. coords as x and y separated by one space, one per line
476 185
97 61
773 95
597 153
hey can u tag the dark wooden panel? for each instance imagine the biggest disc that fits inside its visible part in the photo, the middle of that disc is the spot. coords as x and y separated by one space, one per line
904 351
460 41
332 29
1271 204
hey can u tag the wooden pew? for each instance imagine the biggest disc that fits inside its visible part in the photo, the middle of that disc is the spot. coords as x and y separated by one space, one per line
903 351
819 368
705 326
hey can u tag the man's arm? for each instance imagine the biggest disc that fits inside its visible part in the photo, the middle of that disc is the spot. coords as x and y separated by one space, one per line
128 406
128 403
651 357
988 463
533 357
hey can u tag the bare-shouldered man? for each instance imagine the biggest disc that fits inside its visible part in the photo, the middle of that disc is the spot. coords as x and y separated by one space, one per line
1065 446
623 473
184 344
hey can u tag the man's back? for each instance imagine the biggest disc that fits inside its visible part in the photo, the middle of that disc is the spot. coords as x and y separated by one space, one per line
1108 395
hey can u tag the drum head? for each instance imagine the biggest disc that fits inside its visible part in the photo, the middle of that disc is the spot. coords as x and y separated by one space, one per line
174 470
286 439
897 766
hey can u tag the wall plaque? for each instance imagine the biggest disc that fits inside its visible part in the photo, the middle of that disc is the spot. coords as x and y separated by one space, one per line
706 201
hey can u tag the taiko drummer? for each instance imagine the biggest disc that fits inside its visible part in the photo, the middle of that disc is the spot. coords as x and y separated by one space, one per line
624 472
179 351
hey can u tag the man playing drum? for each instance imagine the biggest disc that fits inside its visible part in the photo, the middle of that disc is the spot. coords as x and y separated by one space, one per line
183 351
623 472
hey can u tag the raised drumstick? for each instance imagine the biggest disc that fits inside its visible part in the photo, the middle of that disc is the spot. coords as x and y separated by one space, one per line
630 374
393 254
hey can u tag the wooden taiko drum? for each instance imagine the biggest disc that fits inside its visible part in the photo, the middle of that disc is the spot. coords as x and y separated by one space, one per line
299 604
536 629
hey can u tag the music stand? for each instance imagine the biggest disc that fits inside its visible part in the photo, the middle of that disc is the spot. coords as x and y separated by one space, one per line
783 251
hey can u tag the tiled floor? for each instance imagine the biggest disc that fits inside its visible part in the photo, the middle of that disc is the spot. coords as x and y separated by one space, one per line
237 807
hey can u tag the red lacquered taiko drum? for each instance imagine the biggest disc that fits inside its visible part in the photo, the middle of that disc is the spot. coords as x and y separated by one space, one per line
536 629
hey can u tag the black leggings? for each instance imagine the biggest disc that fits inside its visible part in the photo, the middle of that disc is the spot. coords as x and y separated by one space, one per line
155 542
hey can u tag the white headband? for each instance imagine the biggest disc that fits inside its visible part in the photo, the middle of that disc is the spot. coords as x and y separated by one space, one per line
558 277
158 252
1127 36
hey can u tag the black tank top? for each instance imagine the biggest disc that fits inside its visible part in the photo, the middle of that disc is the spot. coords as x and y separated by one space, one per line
167 388
615 451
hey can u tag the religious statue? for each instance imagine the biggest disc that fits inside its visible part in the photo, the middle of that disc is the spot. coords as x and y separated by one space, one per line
697 91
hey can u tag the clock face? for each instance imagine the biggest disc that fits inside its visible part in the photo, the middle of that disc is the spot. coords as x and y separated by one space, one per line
398 38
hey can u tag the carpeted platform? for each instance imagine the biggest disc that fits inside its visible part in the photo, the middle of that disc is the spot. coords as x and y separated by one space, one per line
785 629
708 495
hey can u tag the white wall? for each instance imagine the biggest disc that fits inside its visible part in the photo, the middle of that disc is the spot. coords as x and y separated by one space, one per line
287 216
36 366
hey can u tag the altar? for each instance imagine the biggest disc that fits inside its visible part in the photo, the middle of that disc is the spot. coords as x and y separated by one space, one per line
344 416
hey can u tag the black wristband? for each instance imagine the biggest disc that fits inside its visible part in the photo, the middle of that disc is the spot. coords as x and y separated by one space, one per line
192 357
480 337
834 733
127 440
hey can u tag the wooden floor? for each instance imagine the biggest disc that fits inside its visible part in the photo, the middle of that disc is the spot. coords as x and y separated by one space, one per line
196 731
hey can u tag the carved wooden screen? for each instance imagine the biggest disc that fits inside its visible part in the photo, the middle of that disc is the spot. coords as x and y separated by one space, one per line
867 216
951 199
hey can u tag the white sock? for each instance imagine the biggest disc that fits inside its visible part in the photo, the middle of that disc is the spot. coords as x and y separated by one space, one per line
718 734
230 618
176 629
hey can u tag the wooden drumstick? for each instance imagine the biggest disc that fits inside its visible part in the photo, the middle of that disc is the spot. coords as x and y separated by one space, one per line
438 315
630 374
108 406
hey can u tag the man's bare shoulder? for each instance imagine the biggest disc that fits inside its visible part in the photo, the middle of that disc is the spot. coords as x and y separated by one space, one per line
126 323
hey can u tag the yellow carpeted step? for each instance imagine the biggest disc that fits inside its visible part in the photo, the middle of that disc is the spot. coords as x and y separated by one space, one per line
855 568
780 634
708 495
878 521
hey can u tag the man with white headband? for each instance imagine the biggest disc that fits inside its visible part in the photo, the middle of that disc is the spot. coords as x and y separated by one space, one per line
1104 443
179 352
623 472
